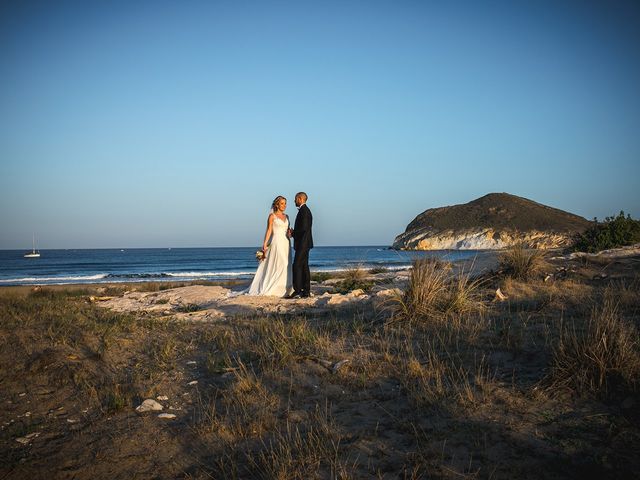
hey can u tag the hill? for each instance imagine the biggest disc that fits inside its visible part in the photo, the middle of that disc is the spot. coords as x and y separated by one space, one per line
496 220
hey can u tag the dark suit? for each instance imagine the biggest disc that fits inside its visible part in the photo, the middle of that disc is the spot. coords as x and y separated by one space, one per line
302 243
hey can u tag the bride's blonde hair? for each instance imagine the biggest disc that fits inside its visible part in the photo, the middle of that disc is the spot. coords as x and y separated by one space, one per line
274 205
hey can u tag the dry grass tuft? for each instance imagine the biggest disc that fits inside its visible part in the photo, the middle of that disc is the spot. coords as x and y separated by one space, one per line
432 294
442 379
280 342
599 356
522 263
301 452
246 408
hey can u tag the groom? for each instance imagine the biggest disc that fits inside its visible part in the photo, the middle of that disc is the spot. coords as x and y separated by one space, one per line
302 243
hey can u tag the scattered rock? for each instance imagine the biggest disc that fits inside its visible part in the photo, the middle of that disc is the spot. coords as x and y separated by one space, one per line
500 297
356 293
390 292
162 397
193 382
27 438
72 420
149 405
192 362
168 416
338 299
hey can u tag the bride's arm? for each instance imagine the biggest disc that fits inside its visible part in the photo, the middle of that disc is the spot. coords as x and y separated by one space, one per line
267 234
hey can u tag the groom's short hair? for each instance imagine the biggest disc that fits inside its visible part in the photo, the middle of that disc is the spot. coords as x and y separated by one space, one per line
302 195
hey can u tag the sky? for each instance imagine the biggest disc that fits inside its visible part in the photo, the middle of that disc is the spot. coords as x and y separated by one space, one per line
175 124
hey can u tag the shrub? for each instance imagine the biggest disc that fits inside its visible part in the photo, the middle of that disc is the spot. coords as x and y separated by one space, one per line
320 276
354 278
613 232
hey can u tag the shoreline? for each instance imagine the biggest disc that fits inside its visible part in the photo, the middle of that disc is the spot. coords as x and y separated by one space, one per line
217 265
483 260
481 263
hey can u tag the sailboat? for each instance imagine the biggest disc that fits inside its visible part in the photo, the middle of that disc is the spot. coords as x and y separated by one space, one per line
33 253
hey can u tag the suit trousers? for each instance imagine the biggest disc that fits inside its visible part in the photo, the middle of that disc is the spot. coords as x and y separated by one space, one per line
301 273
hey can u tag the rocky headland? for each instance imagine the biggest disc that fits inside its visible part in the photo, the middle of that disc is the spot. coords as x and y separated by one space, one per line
494 221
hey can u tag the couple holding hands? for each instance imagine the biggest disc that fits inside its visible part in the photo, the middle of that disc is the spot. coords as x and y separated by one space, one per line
276 275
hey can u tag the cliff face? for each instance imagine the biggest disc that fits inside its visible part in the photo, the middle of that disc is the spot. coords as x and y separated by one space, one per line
494 221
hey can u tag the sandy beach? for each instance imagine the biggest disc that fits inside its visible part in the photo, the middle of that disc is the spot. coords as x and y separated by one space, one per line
171 380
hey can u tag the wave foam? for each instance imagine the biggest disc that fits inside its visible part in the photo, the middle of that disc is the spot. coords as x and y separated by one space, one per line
54 279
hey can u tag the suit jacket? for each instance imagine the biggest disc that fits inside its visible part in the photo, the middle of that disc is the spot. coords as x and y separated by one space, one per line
302 237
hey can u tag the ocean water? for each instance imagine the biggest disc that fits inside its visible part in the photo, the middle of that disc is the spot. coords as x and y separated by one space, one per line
182 264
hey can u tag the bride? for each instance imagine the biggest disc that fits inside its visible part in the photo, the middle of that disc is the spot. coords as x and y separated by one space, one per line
274 274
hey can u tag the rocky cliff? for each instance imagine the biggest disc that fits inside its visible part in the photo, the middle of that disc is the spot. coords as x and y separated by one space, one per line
494 221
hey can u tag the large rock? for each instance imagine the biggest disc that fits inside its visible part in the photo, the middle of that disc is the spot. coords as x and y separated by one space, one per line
495 221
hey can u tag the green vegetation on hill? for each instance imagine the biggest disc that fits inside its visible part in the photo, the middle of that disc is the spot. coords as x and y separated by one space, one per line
613 232
499 210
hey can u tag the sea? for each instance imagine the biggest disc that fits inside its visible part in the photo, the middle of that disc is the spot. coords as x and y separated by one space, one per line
59 267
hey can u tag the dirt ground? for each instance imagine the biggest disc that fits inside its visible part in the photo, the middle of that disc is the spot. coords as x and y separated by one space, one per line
341 385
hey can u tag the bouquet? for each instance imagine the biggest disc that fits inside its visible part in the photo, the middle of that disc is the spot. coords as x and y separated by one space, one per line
260 255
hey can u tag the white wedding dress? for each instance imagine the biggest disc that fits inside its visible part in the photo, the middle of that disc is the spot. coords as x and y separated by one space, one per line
275 275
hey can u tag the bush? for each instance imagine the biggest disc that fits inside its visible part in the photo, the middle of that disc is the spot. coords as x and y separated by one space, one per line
320 276
613 232
354 278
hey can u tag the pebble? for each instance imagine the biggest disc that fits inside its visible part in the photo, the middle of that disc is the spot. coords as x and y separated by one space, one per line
22 395
162 397
168 416
192 362
193 382
149 405
27 438
72 420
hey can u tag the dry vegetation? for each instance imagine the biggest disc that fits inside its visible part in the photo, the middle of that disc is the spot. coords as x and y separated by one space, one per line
441 381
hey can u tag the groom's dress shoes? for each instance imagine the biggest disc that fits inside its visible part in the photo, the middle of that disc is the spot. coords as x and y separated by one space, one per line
294 295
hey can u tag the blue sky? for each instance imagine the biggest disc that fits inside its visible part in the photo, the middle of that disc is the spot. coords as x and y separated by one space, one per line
143 124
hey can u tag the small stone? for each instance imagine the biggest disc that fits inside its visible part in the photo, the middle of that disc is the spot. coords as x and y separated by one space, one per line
22 395
500 297
162 397
149 405
192 362
193 382
72 420
27 438
168 416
